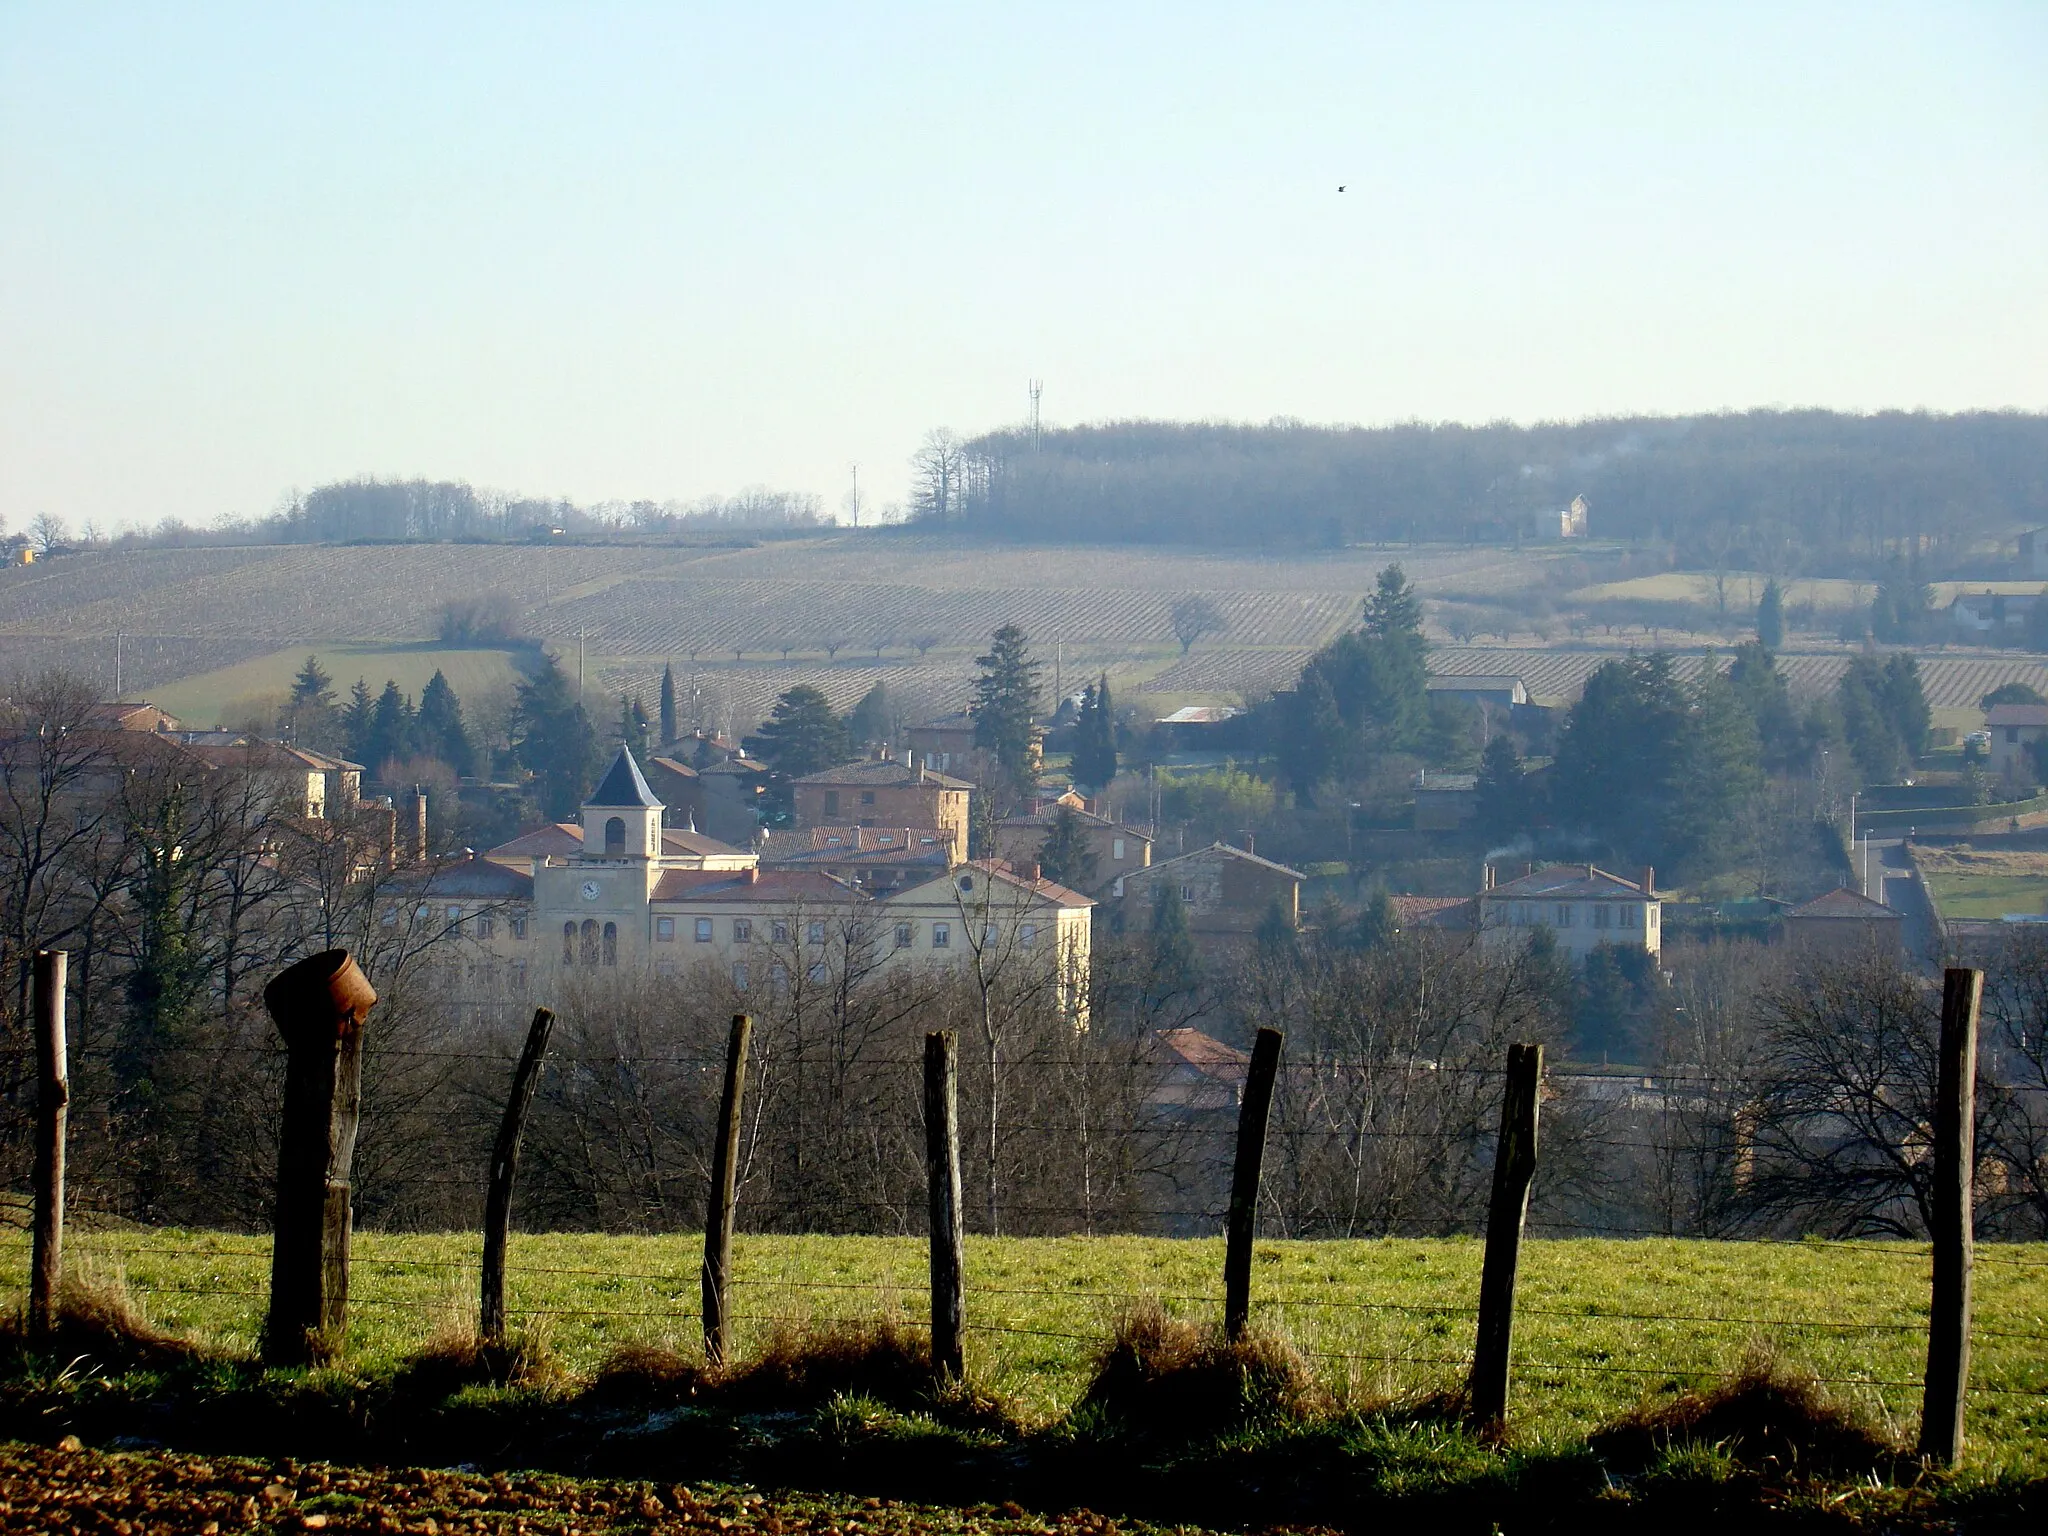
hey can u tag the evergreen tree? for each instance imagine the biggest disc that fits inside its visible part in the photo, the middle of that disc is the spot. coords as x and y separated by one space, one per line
1173 947
1503 792
669 729
1312 737
868 722
1066 857
1868 697
1365 693
1770 617
1006 703
391 729
2010 693
1393 611
309 715
801 734
1275 938
555 740
1760 687
634 727
1906 702
1095 738
356 718
441 730
1378 923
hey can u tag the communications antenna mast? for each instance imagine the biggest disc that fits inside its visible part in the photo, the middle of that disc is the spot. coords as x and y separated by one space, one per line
1037 387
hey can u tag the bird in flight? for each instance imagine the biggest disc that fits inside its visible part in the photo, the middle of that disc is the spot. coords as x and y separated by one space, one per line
1340 189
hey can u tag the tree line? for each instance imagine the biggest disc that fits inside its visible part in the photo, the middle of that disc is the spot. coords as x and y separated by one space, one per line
1777 491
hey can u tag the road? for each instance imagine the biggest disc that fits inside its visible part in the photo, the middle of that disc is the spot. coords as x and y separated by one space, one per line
1893 882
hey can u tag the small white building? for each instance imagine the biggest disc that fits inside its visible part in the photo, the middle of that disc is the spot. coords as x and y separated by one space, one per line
1992 613
2014 728
1583 907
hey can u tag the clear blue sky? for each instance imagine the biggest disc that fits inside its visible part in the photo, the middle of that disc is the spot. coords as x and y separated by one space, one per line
664 250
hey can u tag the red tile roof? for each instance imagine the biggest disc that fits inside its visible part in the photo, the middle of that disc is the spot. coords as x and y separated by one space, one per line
777 886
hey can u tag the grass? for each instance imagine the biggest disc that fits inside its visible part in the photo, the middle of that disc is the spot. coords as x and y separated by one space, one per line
1041 1309
1984 882
200 700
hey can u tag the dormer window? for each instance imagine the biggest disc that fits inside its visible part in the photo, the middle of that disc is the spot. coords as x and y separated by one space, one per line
886 840
834 840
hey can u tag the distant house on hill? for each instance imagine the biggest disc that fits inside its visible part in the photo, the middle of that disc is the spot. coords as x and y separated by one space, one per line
1583 906
1495 690
1992 613
1572 521
2034 553
882 792
2014 728
1226 891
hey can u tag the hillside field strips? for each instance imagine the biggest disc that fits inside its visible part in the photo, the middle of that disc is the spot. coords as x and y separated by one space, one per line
1601 1325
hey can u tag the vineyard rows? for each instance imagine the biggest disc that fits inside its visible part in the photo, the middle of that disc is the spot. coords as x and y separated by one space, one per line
1951 682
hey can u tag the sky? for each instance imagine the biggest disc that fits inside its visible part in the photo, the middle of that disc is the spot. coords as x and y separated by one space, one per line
613 251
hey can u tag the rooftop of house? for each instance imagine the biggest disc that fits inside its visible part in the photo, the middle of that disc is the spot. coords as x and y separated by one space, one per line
1474 682
867 845
1202 714
236 749
672 765
775 887
1444 783
881 773
1568 882
958 720
1223 848
1045 816
996 872
2016 714
624 786
1842 902
1205 1053
563 839
129 715
475 877
1447 912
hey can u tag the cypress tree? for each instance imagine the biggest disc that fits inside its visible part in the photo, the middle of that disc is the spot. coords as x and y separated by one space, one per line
1770 616
441 728
669 732
1065 856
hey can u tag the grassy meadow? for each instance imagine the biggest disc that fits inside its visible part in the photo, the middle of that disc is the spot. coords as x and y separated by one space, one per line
1602 1325
260 685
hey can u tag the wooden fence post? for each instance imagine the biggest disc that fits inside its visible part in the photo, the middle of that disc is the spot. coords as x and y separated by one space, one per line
942 1182
1243 1221
504 1168
319 1006
725 1158
1955 1137
1514 1166
53 1097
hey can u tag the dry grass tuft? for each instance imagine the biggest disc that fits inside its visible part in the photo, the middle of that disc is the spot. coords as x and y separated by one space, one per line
1768 1420
647 1373
457 1357
804 1367
1164 1377
97 1325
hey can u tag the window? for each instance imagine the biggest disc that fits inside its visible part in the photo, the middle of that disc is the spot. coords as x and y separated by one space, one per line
886 840
967 882
568 943
615 835
1564 915
1119 886
814 933
831 802
988 934
422 912
2012 734
743 930
1187 893
702 930
1028 935
1630 916
779 930
834 840
942 935
611 943
589 938
906 935
867 797
486 925
1653 916
1116 848
390 917
817 973
739 975
778 976
454 916
926 842
519 925
664 930
518 975
1603 916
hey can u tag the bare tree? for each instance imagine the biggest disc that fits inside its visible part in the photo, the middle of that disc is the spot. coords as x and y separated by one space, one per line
1194 617
923 643
48 530
936 473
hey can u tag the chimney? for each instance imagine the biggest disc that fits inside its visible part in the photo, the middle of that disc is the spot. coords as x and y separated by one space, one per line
1649 880
1486 877
418 850
1028 870
908 755
753 874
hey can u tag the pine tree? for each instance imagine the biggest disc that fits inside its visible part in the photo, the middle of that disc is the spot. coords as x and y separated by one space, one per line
441 730
1503 791
309 715
633 726
1378 923
801 734
1770 617
1006 703
1173 947
1094 762
1313 738
1394 611
554 739
868 722
391 728
669 730
356 717
1275 937
1066 857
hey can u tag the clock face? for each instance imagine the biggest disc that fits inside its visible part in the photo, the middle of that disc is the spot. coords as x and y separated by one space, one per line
590 890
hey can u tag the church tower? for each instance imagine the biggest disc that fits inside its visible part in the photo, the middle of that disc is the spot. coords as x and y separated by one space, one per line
622 819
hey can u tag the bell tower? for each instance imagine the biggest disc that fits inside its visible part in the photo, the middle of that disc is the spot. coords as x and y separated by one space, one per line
622 819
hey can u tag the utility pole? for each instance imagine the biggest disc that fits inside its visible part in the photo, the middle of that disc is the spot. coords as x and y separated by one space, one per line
856 495
1037 387
579 665
117 666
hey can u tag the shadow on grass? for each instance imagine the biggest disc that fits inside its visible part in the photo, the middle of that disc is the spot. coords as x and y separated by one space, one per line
1177 1424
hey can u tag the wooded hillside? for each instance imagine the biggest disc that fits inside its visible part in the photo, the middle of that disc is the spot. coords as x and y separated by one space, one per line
1784 491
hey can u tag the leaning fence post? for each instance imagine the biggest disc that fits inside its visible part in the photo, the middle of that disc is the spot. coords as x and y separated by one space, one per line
1955 1136
725 1158
319 1006
504 1168
1514 1166
1243 1221
53 1097
942 1182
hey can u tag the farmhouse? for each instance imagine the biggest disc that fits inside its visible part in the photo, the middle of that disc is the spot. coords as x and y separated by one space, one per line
1582 906
882 792
1842 922
2014 728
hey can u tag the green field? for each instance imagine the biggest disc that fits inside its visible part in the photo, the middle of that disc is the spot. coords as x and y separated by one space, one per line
205 698
1987 896
1602 1325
